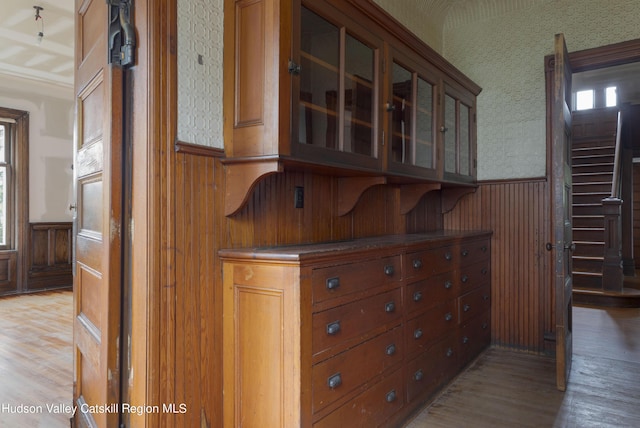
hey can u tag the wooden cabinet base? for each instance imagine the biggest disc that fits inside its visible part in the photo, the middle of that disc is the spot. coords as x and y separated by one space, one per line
358 332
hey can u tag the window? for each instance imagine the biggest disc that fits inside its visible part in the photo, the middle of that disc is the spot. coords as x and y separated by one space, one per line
611 96
584 99
6 137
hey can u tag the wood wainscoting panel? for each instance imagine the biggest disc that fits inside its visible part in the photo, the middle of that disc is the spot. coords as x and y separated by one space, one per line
49 256
518 215
8 272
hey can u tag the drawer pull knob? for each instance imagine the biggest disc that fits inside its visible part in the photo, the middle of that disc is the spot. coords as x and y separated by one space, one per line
485 325
390 307
447 256
465 253
448 316
448 285
333 328
449 352
465 278
333 283
466 308
484 249
417 264
334 381
484 271
389 270
391 396
417 296
465 340
417 334
419 375
485 297
391 349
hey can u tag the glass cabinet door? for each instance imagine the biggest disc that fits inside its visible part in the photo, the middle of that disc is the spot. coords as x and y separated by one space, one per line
412 126
337 88
458 128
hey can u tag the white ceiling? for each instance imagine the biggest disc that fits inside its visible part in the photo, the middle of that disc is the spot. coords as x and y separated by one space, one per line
51 61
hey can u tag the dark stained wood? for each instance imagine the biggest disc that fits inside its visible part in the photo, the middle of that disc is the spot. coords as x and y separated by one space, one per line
350 189
561 209
505 389
636 214
518 215
49 256
8 271
15 280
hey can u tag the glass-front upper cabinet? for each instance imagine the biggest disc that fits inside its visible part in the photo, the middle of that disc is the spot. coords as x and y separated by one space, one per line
337 107
459 136
412 112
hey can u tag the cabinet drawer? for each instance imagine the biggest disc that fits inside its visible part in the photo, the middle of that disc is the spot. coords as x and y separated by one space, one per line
474 303
473 251
337 281
344 372
427 328
354 321
371 408
426 293
474 275
475 335
432 368
422 264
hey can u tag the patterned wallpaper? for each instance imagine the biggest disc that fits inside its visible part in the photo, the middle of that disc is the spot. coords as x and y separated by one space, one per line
422 17
200 34
505 55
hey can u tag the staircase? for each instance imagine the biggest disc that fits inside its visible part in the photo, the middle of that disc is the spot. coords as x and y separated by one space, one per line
593 163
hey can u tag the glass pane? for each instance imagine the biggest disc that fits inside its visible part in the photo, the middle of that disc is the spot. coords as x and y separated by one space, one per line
584 100
358 97
611 96
450 134
320 55
401 115
424 125
3 205
465 141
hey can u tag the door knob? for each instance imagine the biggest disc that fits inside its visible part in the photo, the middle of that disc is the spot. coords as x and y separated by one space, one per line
72 207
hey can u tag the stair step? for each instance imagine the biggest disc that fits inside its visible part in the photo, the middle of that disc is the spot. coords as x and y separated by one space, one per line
589 249
592 177
592 160
595 296
587 209
592 187
592 168
588 234
600 148
588 198
587 220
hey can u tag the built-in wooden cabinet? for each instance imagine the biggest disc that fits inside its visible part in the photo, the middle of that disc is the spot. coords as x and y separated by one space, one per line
336 87
353 333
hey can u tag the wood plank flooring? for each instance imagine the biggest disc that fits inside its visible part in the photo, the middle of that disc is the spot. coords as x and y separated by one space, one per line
36 360
510 389
501 389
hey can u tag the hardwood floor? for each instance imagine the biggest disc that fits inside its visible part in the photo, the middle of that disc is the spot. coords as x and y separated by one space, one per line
510 389
501 389
36 360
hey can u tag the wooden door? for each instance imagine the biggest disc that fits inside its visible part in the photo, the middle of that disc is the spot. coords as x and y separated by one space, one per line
561 206
97 223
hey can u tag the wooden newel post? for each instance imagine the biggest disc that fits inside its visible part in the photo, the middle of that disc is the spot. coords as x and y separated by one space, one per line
612 275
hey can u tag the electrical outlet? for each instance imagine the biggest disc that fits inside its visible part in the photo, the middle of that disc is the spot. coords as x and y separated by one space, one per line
298 197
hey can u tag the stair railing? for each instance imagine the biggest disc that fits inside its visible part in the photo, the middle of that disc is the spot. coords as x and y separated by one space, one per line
617 170
612 272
